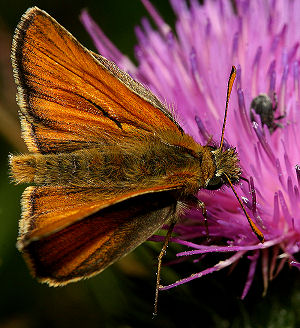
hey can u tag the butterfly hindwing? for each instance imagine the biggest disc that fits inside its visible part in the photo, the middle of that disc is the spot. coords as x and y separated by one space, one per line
87 246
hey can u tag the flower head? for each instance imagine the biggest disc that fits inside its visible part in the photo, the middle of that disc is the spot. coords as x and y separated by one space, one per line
189 69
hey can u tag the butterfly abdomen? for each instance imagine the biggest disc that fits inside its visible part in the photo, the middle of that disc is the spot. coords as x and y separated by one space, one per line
123 165
45 169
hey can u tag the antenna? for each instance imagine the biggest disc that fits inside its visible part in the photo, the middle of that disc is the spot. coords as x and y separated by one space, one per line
229 88
254 228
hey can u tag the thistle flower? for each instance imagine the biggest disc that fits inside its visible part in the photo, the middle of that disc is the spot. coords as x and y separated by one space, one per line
189 69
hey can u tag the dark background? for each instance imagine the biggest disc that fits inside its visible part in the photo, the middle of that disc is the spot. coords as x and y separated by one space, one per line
121 296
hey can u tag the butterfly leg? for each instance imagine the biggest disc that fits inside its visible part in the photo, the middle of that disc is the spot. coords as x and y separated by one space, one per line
160 256
194 202
202 205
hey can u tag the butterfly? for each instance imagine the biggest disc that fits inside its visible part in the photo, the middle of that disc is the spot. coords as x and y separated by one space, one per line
109 163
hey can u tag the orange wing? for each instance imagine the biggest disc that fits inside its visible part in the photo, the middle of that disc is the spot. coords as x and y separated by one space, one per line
60 247
71 98
49 209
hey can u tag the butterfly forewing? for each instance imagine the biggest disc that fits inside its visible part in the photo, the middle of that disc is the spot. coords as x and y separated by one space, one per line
64 90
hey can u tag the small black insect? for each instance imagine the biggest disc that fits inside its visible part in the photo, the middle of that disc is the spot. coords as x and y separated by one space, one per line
265 108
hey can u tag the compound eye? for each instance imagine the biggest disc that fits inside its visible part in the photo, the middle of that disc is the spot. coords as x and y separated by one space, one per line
215 183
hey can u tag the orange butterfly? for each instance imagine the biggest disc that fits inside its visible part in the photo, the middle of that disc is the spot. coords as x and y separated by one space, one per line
110 163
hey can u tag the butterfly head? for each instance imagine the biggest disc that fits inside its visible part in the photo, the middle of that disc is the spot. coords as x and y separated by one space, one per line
227 166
